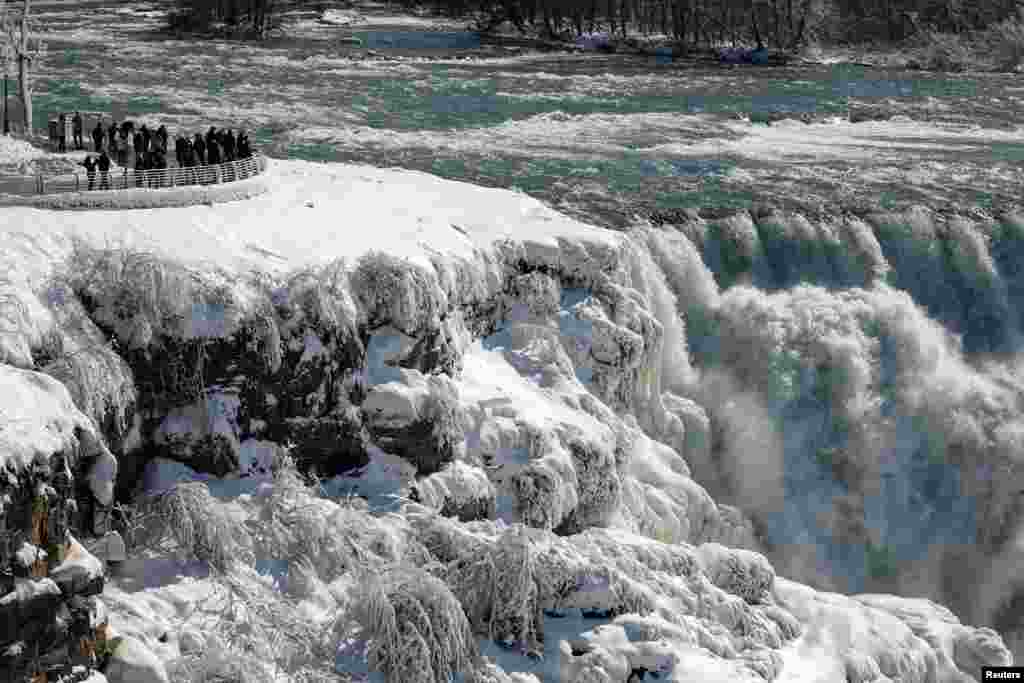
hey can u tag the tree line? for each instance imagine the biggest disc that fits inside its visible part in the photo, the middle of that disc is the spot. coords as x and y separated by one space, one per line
255 17
780 24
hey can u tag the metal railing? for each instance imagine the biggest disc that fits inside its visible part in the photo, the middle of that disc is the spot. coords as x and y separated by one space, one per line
129 179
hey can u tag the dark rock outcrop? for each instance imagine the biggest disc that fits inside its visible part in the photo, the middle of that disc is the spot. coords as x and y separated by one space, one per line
55 482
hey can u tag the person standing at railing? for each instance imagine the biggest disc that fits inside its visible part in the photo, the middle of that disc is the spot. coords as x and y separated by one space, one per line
124 147
213 158
179 150
151 166
229 146
188 154
97 137
112 148
199 145
104 166
77 127
241 143
129 152
145 139
138 149
112 137
160 161
62 133
90 170
140 162
213 152
243 151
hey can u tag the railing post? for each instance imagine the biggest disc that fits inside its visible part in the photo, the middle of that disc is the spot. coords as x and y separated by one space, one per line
76 183
124 178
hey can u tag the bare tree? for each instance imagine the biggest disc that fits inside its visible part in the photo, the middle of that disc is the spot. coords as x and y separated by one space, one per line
18 45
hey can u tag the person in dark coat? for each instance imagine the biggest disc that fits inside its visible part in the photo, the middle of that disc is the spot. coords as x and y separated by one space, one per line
112 135
97 137
213 158
151 166
199 145
61 133
104 165
213 152
179 149
229 146
160 163
244 149
146 137
137 144
90 170
189 157
140 164
76 124
161 134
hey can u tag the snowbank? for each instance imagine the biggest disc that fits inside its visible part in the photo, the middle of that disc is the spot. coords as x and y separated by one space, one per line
37 418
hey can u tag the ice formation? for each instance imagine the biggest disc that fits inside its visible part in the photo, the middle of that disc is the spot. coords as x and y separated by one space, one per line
575 455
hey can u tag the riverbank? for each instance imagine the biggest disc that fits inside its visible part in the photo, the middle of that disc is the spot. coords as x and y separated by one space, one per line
997 50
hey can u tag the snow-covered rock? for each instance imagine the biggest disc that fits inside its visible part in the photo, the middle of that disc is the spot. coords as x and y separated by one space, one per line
458 490
80 573
741 572
102 476
417 419
133 662
46 443
191 641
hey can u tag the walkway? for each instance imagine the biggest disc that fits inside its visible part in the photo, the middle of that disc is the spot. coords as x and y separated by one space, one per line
130 179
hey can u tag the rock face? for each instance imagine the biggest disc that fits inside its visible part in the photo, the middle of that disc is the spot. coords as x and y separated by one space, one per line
56 479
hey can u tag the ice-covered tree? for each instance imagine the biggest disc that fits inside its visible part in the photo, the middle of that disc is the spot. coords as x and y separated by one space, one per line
18 46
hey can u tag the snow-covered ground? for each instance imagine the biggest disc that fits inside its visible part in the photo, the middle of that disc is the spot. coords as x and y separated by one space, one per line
345 211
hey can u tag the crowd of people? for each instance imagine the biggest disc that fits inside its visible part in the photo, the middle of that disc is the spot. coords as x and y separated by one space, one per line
145 149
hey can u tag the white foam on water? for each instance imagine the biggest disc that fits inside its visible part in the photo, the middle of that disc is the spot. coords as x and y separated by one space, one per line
894 140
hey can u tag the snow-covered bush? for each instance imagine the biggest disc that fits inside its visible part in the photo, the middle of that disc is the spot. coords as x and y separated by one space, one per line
417 630
79 355
198 525
741 572
135 293
215 666
397 292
